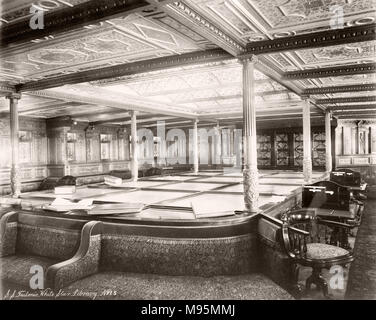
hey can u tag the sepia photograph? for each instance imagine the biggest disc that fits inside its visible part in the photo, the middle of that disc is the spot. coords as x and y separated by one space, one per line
193 152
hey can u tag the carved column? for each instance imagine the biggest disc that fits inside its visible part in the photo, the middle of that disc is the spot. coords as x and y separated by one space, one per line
339 140
15 178
67 169
307 148
373 139
250 172
195 146
218 145
347 142
134 143
328 142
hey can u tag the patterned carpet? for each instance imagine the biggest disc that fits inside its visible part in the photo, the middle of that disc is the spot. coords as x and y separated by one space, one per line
362 275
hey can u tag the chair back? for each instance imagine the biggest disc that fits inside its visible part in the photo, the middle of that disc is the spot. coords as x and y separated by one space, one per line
346 177
326 194
301 227
296 229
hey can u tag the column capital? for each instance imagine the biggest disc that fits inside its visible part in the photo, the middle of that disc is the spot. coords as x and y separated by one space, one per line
306 98
252 58
13 95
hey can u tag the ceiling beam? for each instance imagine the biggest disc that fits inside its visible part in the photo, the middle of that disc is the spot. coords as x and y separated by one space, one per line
259 113
6 88
358 116
346 100
337 71
197 22
206 29
264 66
68 19
224 98
126 69
55 106
356 113
127 120
87 94
336 89
313 40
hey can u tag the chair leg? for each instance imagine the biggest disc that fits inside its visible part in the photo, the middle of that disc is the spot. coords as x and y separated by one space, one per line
317 279
321 282
296 287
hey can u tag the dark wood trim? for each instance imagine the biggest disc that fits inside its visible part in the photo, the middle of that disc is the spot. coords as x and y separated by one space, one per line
68 19
336 71
352 107
127 69
335 89
203 228
346 100
314 40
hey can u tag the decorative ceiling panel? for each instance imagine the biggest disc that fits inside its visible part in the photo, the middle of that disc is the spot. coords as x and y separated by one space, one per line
362 52
255 20
276 97
122 40
230 91
339 81
297 13
14 10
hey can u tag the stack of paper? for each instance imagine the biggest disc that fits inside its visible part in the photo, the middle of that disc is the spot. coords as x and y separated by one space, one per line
206 209
65 190
116 208
113 181
63 205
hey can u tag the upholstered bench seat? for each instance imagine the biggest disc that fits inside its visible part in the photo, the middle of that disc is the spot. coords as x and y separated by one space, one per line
131 286
16 269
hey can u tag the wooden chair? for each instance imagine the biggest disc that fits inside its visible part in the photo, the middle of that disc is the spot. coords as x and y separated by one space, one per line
331 195
352 180
346 177
307 244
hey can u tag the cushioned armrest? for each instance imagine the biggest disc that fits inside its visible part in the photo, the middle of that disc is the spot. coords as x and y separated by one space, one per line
8 234
84 263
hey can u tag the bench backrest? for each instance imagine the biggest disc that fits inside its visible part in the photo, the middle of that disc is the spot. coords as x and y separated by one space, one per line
54 238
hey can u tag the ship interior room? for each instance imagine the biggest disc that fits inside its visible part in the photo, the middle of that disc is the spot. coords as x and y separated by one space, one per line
194 149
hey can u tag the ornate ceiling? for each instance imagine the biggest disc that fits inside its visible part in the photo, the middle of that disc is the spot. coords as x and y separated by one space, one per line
173 29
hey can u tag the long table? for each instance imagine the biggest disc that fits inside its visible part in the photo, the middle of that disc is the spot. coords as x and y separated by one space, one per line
171 197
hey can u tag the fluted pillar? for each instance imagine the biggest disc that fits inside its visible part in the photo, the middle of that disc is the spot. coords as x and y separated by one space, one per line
307 148
250 172
15 178
195 146
134 143
328 142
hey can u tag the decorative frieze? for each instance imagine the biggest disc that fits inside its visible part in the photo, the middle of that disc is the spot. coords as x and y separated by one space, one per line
345 70
336 89
71 17
313 40
346 100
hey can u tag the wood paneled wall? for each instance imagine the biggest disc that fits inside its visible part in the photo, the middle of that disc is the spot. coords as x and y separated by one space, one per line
57 147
